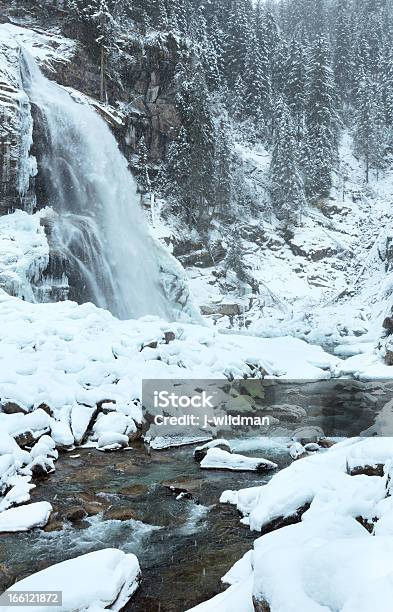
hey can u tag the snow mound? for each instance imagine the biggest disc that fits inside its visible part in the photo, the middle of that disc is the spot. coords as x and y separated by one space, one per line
96 581
338 554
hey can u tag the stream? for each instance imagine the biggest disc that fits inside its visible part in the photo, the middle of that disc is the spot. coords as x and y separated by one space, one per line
184 545
188 542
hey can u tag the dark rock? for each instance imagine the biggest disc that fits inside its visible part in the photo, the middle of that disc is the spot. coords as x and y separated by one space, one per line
185 487
153 345
200 453
198 259
135 435
135 490
25 439
326 443
46 409
121 513
39 471
388 323
54 524
75 514
280 522
11 408
369 525
169 336
102 402
367 470
389 357
260 604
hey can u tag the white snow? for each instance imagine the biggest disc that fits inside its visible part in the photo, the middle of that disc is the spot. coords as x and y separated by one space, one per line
96 581
328 560
48 48
71 357
24 518
212 444
112 441
218 459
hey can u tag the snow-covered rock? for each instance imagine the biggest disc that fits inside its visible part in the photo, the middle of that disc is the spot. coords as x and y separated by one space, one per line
174 441
26 517
201 451
321 480
218 459
111 440
96 581
297 450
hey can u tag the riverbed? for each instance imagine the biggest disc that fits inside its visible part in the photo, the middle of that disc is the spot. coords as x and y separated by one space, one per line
163 507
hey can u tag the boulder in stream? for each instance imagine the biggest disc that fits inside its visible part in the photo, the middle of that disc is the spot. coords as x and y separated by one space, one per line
217 459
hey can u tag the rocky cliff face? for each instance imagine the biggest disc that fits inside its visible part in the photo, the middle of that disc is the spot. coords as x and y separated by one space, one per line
141 87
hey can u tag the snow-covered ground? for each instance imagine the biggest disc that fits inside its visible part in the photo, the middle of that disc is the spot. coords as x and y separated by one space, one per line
338 553
326 280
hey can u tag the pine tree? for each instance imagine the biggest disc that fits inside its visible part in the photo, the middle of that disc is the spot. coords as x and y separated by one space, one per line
97 18
236 41
193 104
162 15
256 80
223 162
295 86
321 122
342 60
287 191
369 134
237 103
387 87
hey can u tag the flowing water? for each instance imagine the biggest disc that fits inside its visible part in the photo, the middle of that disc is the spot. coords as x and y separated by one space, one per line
184 546
97 227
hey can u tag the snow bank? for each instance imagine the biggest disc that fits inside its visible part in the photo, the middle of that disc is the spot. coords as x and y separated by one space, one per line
96 581
72 357
328 559
24 518
321 480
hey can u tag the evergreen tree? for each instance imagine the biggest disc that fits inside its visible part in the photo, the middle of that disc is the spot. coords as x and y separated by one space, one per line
236 41
295 86
369 135
256 81
193 104
287 191
223 166
321 122
342 61
237 105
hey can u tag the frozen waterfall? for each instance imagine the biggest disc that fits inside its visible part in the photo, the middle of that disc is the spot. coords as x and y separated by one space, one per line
97 227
